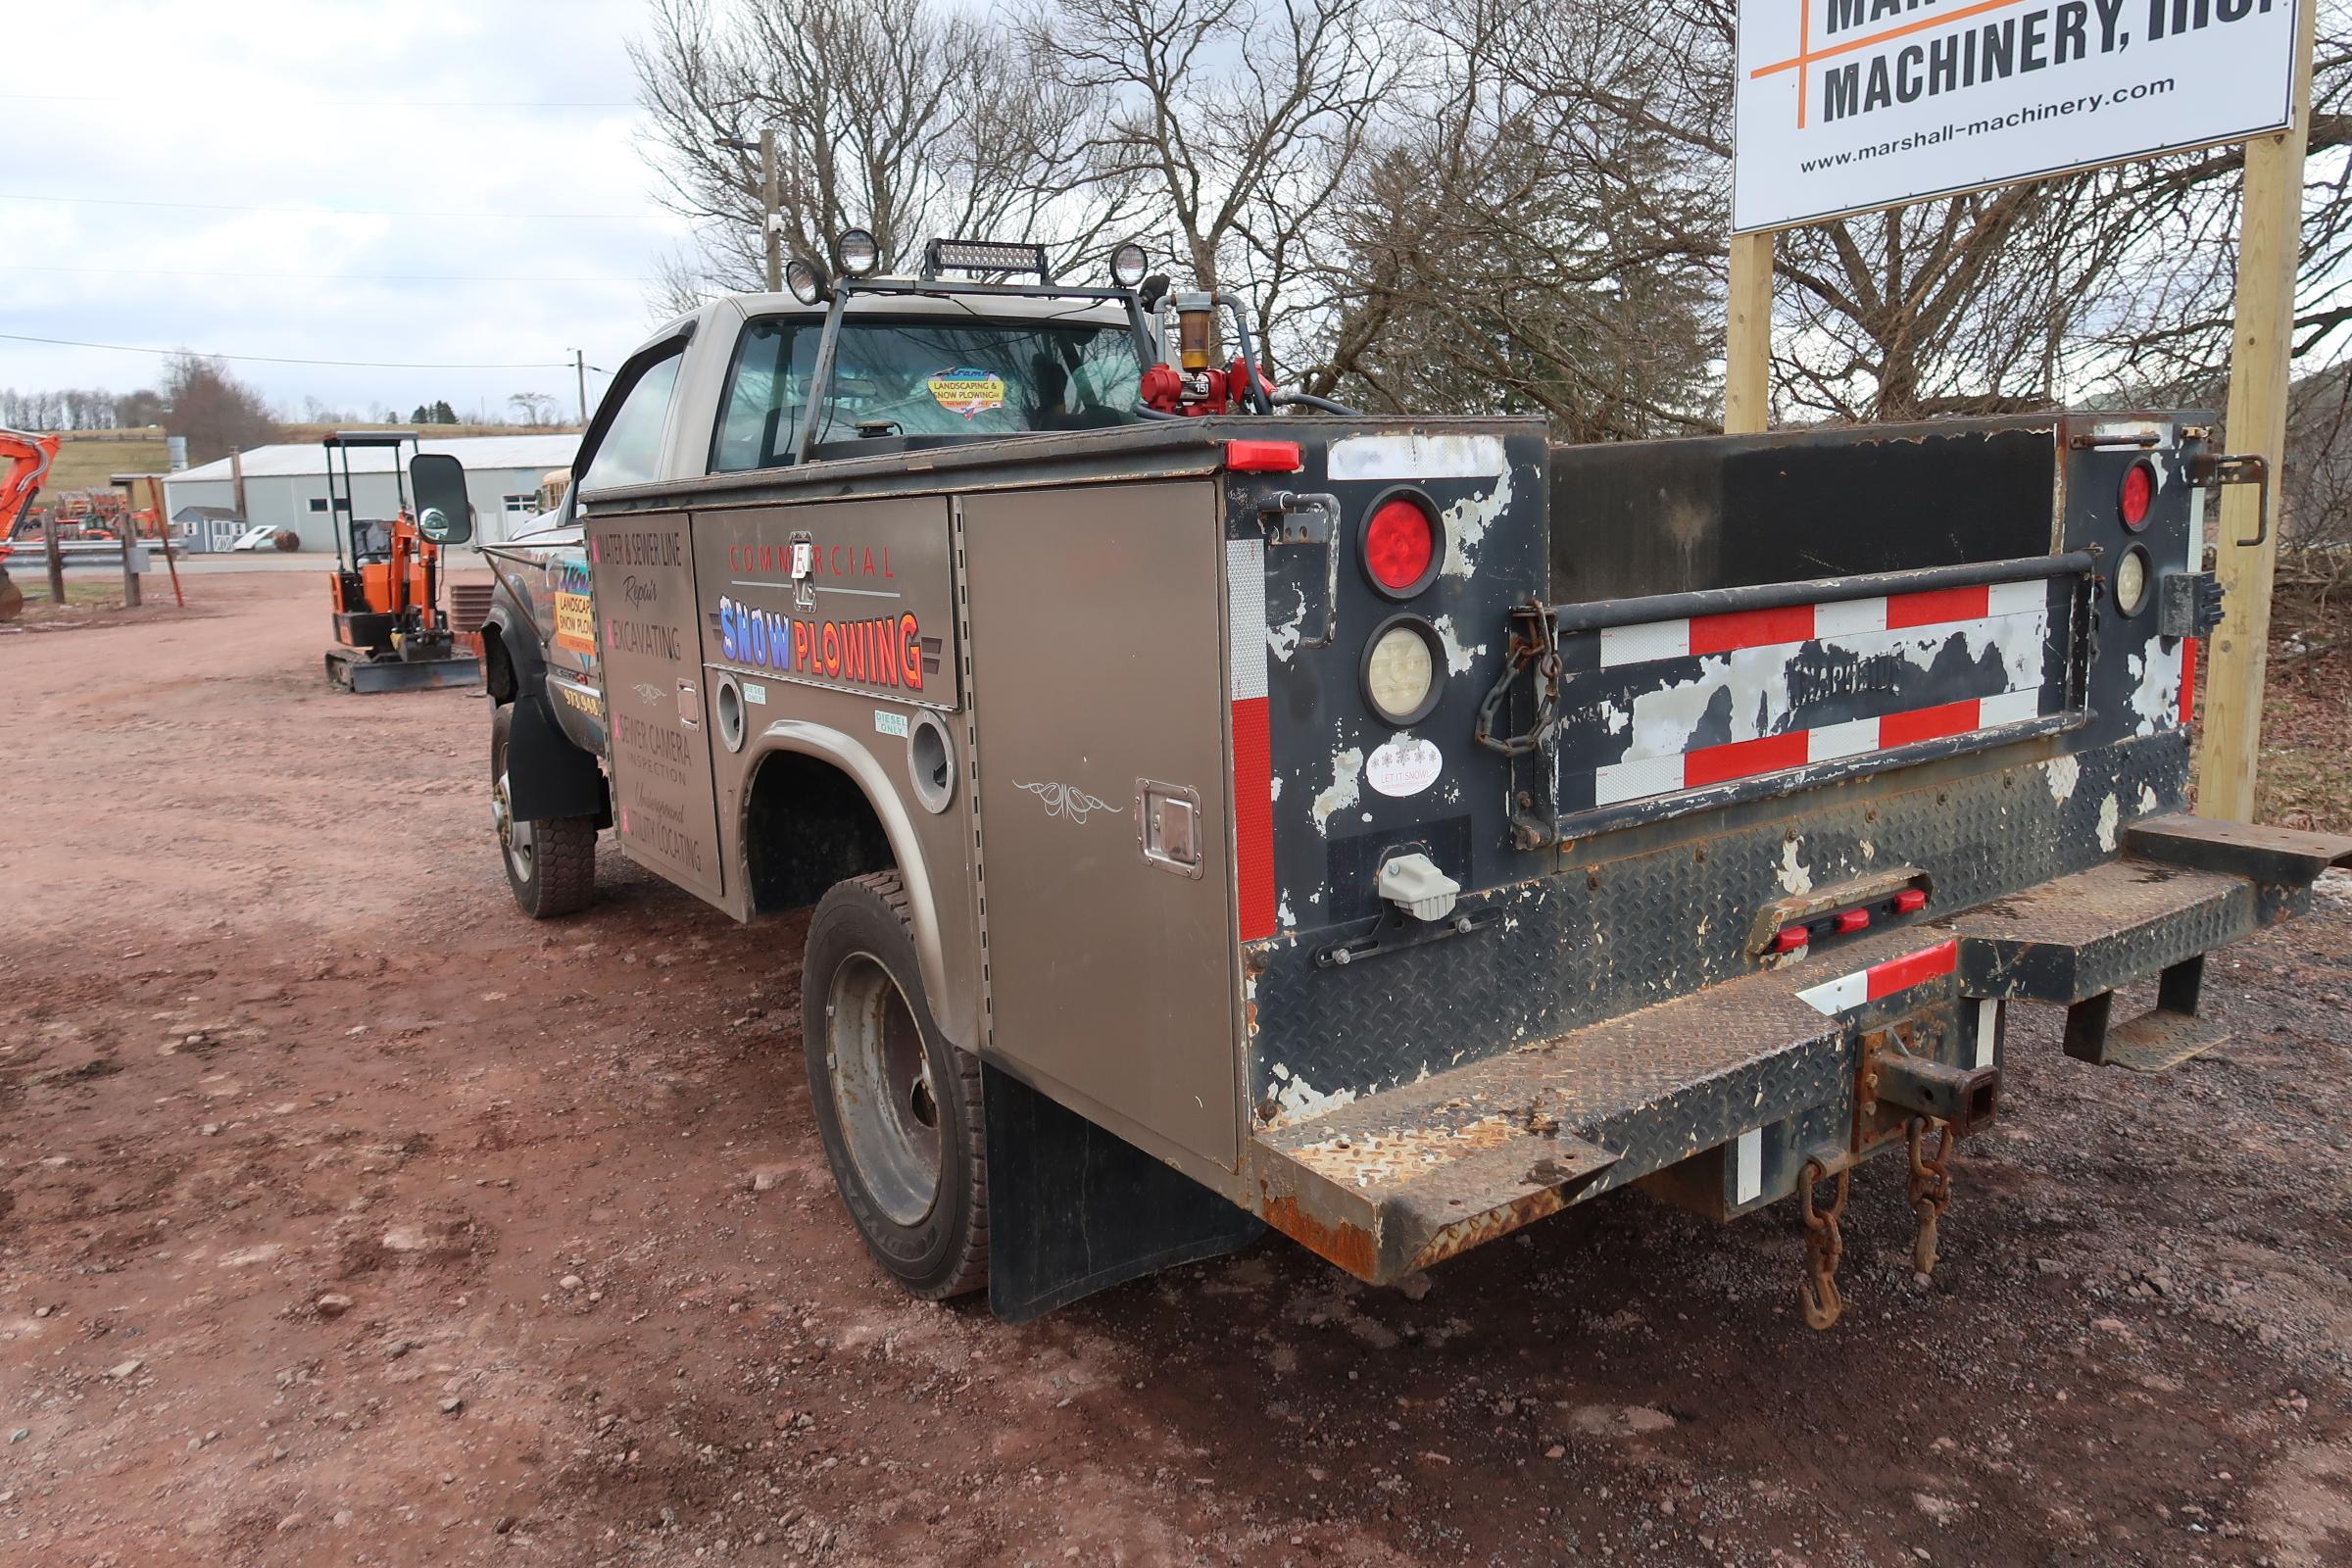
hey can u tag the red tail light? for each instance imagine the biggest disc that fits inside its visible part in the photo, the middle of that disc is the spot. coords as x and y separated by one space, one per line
1401 546
1849 921
2138 494
1910 900
1790 939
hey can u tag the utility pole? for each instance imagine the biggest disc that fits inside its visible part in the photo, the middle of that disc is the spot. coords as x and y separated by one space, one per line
771 207
580 369
772 210
2269 252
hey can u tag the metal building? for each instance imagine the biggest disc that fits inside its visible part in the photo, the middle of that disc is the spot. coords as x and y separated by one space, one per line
285 486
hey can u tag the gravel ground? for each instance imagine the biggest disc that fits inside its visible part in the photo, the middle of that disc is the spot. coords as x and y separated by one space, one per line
348 1217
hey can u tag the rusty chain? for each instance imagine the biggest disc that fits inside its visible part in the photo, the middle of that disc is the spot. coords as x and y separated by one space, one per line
1825 1246
1930 1187
1541 650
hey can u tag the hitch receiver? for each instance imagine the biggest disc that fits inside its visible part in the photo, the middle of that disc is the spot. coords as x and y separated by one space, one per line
1963 1098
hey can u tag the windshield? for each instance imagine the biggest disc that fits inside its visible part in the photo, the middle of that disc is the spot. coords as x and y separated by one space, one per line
924 376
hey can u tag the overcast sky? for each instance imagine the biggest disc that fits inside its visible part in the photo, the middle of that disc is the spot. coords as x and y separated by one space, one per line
316 148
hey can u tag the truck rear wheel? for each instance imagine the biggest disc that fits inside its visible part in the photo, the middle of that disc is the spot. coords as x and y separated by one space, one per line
550 864
899 1108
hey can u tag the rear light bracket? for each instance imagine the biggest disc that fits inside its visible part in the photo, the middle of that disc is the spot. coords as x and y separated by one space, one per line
1295 518
2241 467
1875 896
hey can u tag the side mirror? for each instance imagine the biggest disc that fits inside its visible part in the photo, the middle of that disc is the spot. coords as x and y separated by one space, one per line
444 511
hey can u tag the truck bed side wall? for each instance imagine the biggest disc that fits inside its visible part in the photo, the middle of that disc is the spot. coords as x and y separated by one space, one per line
1631 518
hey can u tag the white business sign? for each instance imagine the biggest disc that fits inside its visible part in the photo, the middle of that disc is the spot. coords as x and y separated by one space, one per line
1846 105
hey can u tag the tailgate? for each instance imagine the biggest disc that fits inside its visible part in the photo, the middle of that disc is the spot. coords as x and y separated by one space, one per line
1684 702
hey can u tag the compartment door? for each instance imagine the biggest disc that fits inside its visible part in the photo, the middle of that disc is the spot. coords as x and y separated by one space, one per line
665 810
1104 804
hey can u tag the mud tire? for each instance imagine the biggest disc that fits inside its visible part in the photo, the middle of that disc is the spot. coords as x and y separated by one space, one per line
862 925
556 874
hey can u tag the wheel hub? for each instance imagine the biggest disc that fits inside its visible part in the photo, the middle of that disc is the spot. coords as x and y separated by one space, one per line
514 837
882 1090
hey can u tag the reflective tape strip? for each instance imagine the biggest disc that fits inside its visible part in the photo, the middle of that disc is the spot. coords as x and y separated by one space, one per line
1834 996
1849 991
1748 1157
1918 968
1849 616
1799 624
1246 615
1641 778
1253 743
1613 782
1639 645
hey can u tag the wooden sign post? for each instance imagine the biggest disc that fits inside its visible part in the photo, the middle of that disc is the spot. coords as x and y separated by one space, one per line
2270 253
1747 336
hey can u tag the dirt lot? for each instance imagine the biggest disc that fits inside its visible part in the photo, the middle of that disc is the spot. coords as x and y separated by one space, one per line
348 1217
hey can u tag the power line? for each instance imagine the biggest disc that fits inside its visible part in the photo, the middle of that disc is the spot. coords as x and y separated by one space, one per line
341 278
348 103
334 212
275 359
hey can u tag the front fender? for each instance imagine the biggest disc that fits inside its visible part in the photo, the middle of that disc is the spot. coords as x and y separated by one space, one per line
508 628
873 782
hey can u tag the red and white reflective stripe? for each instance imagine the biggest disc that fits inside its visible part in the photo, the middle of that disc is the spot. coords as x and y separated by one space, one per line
1850 990
1797 623
1616 782
1253 747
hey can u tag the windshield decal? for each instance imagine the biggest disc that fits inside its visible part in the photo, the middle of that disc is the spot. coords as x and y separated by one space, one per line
967 391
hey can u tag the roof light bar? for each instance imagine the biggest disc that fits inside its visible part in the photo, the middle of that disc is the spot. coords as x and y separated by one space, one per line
984 255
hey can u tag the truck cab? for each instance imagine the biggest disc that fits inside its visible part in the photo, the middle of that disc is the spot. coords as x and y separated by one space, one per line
1222 810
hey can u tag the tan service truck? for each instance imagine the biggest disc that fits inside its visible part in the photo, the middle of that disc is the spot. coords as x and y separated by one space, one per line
1222 810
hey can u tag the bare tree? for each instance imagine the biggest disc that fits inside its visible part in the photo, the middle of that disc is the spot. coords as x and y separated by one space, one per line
908 119
218 413
534 409
1240 120
1522 239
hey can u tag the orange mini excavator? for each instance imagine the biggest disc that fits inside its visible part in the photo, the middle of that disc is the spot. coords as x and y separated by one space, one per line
24 461
391 633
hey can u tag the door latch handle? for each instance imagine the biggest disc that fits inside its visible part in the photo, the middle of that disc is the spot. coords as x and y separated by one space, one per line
1168 826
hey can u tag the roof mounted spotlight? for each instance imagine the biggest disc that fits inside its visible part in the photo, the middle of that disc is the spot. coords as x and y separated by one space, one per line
1128 264
855 254
807 283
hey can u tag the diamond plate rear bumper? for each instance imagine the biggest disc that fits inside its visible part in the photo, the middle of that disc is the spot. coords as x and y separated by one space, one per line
1404 1179
1401 1178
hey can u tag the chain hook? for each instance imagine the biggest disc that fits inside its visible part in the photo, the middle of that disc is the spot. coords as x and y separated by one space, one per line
1825 1246
1930 1186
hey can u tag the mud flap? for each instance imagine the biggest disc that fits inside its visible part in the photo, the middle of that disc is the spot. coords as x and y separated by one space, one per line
547 776
1074 1209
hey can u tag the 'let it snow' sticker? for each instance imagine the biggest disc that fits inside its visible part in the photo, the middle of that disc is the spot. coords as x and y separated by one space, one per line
1405 765
967 391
